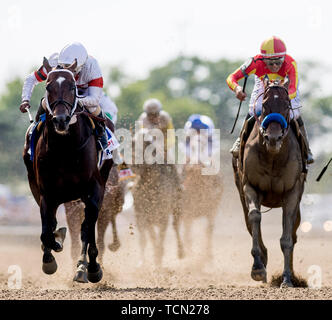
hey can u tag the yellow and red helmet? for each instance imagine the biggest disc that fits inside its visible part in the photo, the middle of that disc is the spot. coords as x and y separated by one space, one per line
272 48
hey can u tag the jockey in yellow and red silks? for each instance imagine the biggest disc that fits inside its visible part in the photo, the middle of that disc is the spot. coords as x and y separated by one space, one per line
274 62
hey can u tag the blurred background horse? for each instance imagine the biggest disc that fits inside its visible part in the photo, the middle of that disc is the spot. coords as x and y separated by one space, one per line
157 198
202 193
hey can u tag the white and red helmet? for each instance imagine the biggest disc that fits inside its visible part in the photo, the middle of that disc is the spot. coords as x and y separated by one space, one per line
71 52
273 48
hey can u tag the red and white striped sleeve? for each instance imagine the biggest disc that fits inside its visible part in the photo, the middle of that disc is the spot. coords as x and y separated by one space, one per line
95 83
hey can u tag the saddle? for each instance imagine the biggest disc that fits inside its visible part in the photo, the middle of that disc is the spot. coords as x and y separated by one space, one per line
294 126
35 129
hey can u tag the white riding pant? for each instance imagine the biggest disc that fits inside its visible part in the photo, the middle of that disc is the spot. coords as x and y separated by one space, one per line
109 106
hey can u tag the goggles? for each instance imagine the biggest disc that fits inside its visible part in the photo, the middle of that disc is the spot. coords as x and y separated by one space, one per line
277 62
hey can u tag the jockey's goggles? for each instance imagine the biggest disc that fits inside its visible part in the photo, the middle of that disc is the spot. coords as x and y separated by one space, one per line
271 62
153 114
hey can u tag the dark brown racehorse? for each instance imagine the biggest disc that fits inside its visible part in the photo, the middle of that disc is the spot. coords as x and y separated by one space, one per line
64 168
269 173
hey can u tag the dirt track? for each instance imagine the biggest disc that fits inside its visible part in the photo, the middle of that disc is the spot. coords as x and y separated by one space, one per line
227 277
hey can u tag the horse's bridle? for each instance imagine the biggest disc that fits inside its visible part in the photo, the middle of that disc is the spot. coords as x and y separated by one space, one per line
273 85
70 106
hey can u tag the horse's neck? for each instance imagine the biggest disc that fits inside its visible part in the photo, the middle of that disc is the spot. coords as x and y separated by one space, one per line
77 135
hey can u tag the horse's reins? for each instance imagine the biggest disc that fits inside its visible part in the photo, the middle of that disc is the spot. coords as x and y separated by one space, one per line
70 106
262 94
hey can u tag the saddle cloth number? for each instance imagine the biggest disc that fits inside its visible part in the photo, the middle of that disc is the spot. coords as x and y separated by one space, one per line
112 144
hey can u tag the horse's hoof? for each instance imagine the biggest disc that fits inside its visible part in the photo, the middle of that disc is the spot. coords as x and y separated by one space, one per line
81 277
114 246
50 267
286 282
57 247
259 274
286 285
60 236
95 276
81 274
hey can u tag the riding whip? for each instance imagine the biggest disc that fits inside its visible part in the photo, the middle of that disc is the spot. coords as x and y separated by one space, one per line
238 111
323 171
30 116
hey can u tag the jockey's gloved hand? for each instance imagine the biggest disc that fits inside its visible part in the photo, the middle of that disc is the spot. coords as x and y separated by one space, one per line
240 94
24 106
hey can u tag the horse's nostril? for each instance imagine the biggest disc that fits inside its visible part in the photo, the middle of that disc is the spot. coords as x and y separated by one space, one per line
55 120
266 137
67 118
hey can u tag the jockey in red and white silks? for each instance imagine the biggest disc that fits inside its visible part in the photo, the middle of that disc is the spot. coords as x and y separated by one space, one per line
88 78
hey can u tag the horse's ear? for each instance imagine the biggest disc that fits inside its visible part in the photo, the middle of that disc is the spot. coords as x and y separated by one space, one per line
47 65
285 83
73 66
266 81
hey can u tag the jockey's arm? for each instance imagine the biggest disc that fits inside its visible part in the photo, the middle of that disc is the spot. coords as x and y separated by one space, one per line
293 80
34 78
93 97
95 85
29 83
233 79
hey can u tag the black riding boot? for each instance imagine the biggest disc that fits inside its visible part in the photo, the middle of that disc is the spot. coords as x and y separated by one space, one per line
101 132
40 111
310 158
236 146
